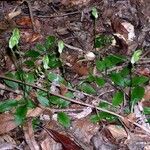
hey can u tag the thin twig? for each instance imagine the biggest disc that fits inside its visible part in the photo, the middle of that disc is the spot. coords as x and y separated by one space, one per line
59 15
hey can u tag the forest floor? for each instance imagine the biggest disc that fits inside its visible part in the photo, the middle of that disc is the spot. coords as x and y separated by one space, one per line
55 92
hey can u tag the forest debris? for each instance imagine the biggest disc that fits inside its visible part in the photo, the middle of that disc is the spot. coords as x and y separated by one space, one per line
34 112
117 131
86 111
49 144
83 129
29 136
7 123
66 142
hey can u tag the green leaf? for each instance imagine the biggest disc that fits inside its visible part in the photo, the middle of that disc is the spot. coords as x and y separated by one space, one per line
14 40
100 81
11 84
94 13
43 100
117 79
117 98
54 62
102 41
136 56
109 62
103 115
8 105
29 63
40 47
61 103
103 105
87 88
60 46
63 119
20 114
147 110
137 94
45 62
139 80
32 53
50 41
53 77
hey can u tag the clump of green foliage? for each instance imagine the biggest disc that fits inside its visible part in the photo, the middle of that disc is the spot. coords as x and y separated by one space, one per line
40 62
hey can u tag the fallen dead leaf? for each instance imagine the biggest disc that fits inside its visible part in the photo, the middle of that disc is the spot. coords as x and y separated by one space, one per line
117 131
34 112
50 144
24 21
7 123
66 142
29 136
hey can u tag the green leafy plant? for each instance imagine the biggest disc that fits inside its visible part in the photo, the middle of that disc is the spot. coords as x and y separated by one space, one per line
44 58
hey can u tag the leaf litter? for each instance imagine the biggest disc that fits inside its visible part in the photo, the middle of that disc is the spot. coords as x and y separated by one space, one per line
127 21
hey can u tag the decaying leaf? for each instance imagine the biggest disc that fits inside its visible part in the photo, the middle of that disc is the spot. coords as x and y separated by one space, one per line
29 136
117 131
7 123
66 142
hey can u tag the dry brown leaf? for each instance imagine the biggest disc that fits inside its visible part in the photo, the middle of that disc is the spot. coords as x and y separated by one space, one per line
144 71
50 144
7 123
117 131
132 118
24 21
29 136
63 89
66 142
80 69
34 112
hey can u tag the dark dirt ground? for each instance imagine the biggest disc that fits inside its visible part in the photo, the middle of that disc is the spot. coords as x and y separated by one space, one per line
70 20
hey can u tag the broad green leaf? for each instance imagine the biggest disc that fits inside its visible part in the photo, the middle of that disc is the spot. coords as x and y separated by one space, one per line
61 103
125 72
100 81
115 59
117 79
29 77
32 53
139 80
136 56
40 47
8 105
54 62
117 98
11 84
30 104
103 115
137 94
147 110
109 62
60 46
50 41
103 105
102 41
14 40
63 119
53 77
20 114
43 100
94 13
29 63
87 88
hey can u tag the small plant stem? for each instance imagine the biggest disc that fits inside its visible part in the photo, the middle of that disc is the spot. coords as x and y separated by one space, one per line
94 32
80 103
